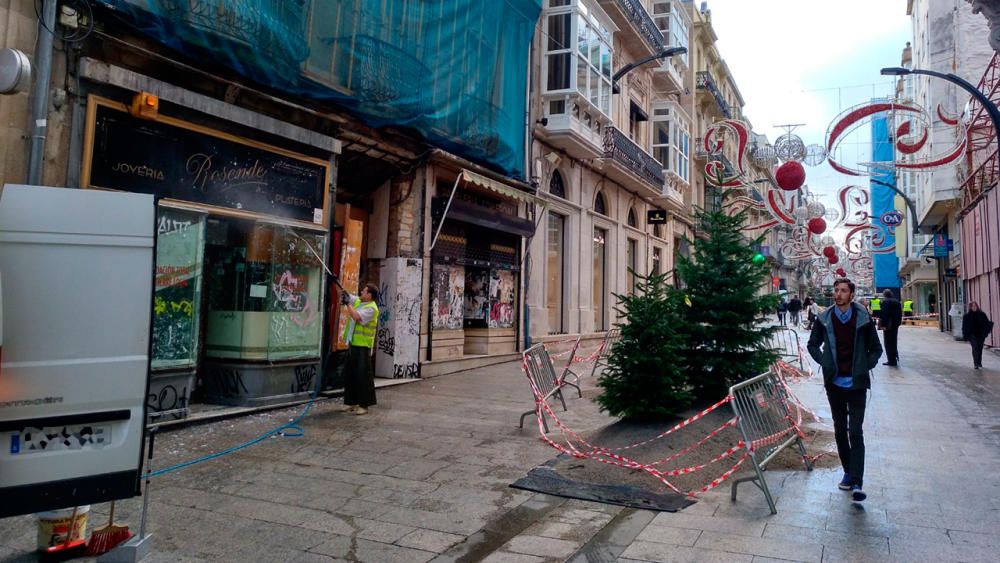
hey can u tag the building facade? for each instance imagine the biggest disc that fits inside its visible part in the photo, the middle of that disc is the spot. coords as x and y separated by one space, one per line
949 38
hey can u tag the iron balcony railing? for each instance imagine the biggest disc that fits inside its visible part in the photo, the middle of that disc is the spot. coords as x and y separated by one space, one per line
643 23
707 83
621 149
275 27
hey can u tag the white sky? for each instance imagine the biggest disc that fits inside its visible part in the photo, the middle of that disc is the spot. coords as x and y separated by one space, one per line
805 61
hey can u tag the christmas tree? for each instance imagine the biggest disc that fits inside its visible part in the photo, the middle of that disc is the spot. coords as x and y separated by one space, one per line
643 379
727 339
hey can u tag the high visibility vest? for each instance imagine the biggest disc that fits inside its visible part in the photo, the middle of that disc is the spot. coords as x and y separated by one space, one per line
364 334
907 306
876 304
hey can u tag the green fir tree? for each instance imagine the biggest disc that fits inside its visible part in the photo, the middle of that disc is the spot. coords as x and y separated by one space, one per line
643 379
723 280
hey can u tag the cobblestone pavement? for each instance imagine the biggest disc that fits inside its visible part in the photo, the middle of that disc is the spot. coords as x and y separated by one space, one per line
425 477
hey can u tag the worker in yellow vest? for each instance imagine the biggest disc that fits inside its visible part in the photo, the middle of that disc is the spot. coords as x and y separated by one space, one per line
876 307
908 308
359 334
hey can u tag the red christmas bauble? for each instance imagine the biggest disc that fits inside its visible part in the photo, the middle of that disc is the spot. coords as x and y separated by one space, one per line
829 251
817 225
841 272
790 176
833 259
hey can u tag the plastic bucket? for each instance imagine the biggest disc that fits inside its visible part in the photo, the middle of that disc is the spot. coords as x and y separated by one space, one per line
54 525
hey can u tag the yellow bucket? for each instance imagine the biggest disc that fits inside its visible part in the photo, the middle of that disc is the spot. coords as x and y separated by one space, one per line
54 525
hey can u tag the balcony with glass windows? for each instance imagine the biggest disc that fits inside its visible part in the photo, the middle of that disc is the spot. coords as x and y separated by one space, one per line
576 80
628 164
708 89
673 22
645 38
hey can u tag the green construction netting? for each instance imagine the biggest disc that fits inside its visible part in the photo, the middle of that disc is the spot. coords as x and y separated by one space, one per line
455 71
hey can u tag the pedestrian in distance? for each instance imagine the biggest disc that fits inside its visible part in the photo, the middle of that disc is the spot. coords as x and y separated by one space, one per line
782 311
907 308
812 309
976 326
794 308
892 318
359 334
844 342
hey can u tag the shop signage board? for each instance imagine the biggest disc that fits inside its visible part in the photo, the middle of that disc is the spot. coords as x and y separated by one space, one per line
656 217
171 158
940 246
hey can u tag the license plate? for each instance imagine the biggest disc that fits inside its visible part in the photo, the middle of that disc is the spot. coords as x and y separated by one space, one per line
59 438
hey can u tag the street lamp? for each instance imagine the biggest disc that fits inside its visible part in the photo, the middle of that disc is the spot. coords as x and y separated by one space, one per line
991 108
667 52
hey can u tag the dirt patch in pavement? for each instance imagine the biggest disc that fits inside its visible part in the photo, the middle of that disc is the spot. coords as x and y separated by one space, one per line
664 453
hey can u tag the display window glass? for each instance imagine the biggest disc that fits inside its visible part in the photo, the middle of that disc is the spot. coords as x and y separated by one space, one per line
265 291
177 293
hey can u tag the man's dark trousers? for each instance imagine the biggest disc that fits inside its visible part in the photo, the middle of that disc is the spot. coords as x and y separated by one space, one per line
848 408
891 337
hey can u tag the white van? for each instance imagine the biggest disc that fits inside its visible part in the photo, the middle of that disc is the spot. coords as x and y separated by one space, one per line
75 300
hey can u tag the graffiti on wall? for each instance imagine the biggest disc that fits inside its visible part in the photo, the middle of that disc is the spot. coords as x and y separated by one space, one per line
397 341
447 291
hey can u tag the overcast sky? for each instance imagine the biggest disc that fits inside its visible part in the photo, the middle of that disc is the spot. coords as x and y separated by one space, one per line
805 61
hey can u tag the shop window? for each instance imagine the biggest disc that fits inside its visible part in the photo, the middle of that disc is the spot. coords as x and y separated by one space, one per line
177 297
599 285
600 206
657 261
556 185
631 219
265 298
555 272
658 230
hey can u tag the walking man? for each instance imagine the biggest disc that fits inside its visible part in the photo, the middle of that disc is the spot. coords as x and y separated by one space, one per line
359 381
845 344
794 308
782 311
892 318
976 326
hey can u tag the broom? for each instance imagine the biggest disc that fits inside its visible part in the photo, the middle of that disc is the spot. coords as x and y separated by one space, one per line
105 539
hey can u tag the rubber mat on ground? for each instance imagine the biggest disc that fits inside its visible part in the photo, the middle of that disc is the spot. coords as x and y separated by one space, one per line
555 478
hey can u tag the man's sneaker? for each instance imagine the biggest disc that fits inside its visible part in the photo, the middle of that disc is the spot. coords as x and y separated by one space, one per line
857 495
349 408
845 483
360 411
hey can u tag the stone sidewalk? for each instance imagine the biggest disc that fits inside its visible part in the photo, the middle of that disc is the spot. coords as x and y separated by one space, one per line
425 477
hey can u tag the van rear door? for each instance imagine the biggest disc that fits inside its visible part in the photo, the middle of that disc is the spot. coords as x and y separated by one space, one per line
77 282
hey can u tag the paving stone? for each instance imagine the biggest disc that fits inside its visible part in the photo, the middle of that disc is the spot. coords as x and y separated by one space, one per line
944 522
826 537
987 540
767 547
916 551
710 523
664 534
541 546
507 557
356 549
664 553
429 540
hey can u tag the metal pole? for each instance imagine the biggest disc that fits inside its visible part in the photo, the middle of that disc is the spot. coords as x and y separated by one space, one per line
40 92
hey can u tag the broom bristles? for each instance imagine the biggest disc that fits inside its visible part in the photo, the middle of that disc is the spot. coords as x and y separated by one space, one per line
107 538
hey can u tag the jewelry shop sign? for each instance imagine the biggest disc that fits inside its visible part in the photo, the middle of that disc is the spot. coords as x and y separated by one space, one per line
173 159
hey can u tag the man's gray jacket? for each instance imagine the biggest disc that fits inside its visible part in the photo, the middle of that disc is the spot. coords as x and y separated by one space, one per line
867 347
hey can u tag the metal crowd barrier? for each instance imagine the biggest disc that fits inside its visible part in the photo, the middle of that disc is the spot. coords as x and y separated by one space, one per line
544 383
786 342
604 352
765 420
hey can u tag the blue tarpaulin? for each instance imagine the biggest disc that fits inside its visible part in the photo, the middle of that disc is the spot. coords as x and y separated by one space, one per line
454 71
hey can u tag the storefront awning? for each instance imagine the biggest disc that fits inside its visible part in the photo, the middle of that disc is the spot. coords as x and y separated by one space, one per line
499 187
